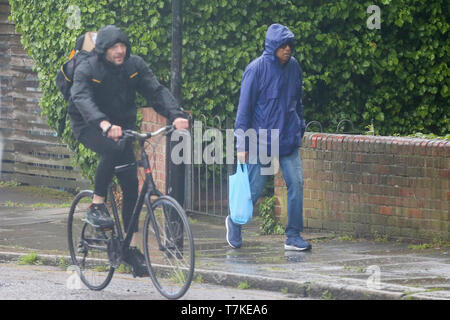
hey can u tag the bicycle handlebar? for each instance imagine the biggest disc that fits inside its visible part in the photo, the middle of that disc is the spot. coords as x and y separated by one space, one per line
143 136
130 134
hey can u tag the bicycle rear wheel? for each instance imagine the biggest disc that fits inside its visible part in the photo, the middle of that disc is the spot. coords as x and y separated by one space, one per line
169 247
88 246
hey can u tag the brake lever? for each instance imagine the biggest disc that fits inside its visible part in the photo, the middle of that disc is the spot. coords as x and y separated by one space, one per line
169 130
126 135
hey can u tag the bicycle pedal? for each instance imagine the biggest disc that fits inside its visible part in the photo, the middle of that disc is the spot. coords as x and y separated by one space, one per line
91 224
81 248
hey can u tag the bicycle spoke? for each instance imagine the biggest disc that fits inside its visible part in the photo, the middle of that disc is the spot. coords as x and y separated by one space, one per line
169 246
88 246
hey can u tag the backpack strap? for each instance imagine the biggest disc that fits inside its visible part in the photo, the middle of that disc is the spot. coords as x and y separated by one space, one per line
79 43
78 46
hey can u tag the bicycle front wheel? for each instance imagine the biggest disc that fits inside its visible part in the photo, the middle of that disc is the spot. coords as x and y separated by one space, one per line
169 247
88 247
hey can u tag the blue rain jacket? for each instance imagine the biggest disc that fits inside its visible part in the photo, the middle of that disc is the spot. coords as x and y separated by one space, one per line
271 96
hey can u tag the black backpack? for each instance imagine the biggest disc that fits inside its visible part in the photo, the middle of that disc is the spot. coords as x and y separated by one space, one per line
64 78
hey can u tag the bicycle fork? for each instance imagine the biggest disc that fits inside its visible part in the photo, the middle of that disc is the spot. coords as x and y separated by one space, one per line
154 223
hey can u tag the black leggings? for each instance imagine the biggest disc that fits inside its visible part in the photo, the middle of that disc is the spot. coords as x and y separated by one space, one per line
110 156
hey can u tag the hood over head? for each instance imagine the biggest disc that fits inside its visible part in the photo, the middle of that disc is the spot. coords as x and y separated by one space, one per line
276 36
108 36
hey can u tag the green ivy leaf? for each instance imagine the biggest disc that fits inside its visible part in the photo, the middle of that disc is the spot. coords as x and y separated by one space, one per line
380 116
348 69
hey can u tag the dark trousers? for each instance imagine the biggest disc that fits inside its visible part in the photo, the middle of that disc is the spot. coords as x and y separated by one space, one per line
112 155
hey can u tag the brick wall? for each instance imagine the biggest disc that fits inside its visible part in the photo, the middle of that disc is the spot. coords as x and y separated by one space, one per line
374 186
152 122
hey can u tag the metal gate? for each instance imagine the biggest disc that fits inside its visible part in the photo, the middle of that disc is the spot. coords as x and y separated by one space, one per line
206 185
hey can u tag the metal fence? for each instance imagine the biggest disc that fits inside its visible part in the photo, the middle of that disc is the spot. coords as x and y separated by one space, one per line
206 185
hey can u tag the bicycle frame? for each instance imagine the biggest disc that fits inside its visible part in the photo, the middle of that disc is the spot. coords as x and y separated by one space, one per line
148 190
166 228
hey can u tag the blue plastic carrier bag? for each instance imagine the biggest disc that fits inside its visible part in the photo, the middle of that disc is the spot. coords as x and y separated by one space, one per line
240 197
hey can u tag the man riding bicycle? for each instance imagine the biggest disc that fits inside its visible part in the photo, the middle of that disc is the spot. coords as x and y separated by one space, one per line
102 105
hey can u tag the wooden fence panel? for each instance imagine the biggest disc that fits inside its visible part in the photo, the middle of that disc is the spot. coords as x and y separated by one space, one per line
31 153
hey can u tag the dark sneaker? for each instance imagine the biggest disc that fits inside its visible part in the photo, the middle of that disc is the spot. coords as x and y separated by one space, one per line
297 244
234 237
98 217
136 260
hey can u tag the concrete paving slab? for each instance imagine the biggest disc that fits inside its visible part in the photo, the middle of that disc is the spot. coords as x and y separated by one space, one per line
333 269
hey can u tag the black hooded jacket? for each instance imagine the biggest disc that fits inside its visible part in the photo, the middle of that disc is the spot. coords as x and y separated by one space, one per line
104 91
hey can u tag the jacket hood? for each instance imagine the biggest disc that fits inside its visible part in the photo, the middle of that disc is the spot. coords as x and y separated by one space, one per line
276 36
109 36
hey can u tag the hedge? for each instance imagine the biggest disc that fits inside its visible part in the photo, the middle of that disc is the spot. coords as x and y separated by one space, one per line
396 77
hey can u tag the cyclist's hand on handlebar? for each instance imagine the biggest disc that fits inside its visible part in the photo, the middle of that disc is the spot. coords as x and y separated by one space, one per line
115 133
181 123
110 130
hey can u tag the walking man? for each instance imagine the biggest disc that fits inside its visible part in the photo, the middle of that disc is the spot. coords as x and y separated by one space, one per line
271 99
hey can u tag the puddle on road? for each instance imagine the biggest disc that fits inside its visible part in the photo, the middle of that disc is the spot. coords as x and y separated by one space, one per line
255 253
295 257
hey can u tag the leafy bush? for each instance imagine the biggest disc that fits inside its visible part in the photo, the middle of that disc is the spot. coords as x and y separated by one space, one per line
270 224
397 75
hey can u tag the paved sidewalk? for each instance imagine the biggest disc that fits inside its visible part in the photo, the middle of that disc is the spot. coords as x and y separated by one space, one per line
337 267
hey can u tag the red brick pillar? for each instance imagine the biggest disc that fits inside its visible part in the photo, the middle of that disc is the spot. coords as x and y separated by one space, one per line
152 121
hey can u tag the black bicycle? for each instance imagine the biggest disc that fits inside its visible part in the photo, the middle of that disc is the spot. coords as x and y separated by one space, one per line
168 244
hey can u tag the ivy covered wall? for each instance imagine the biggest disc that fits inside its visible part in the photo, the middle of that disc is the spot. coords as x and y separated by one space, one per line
397 75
